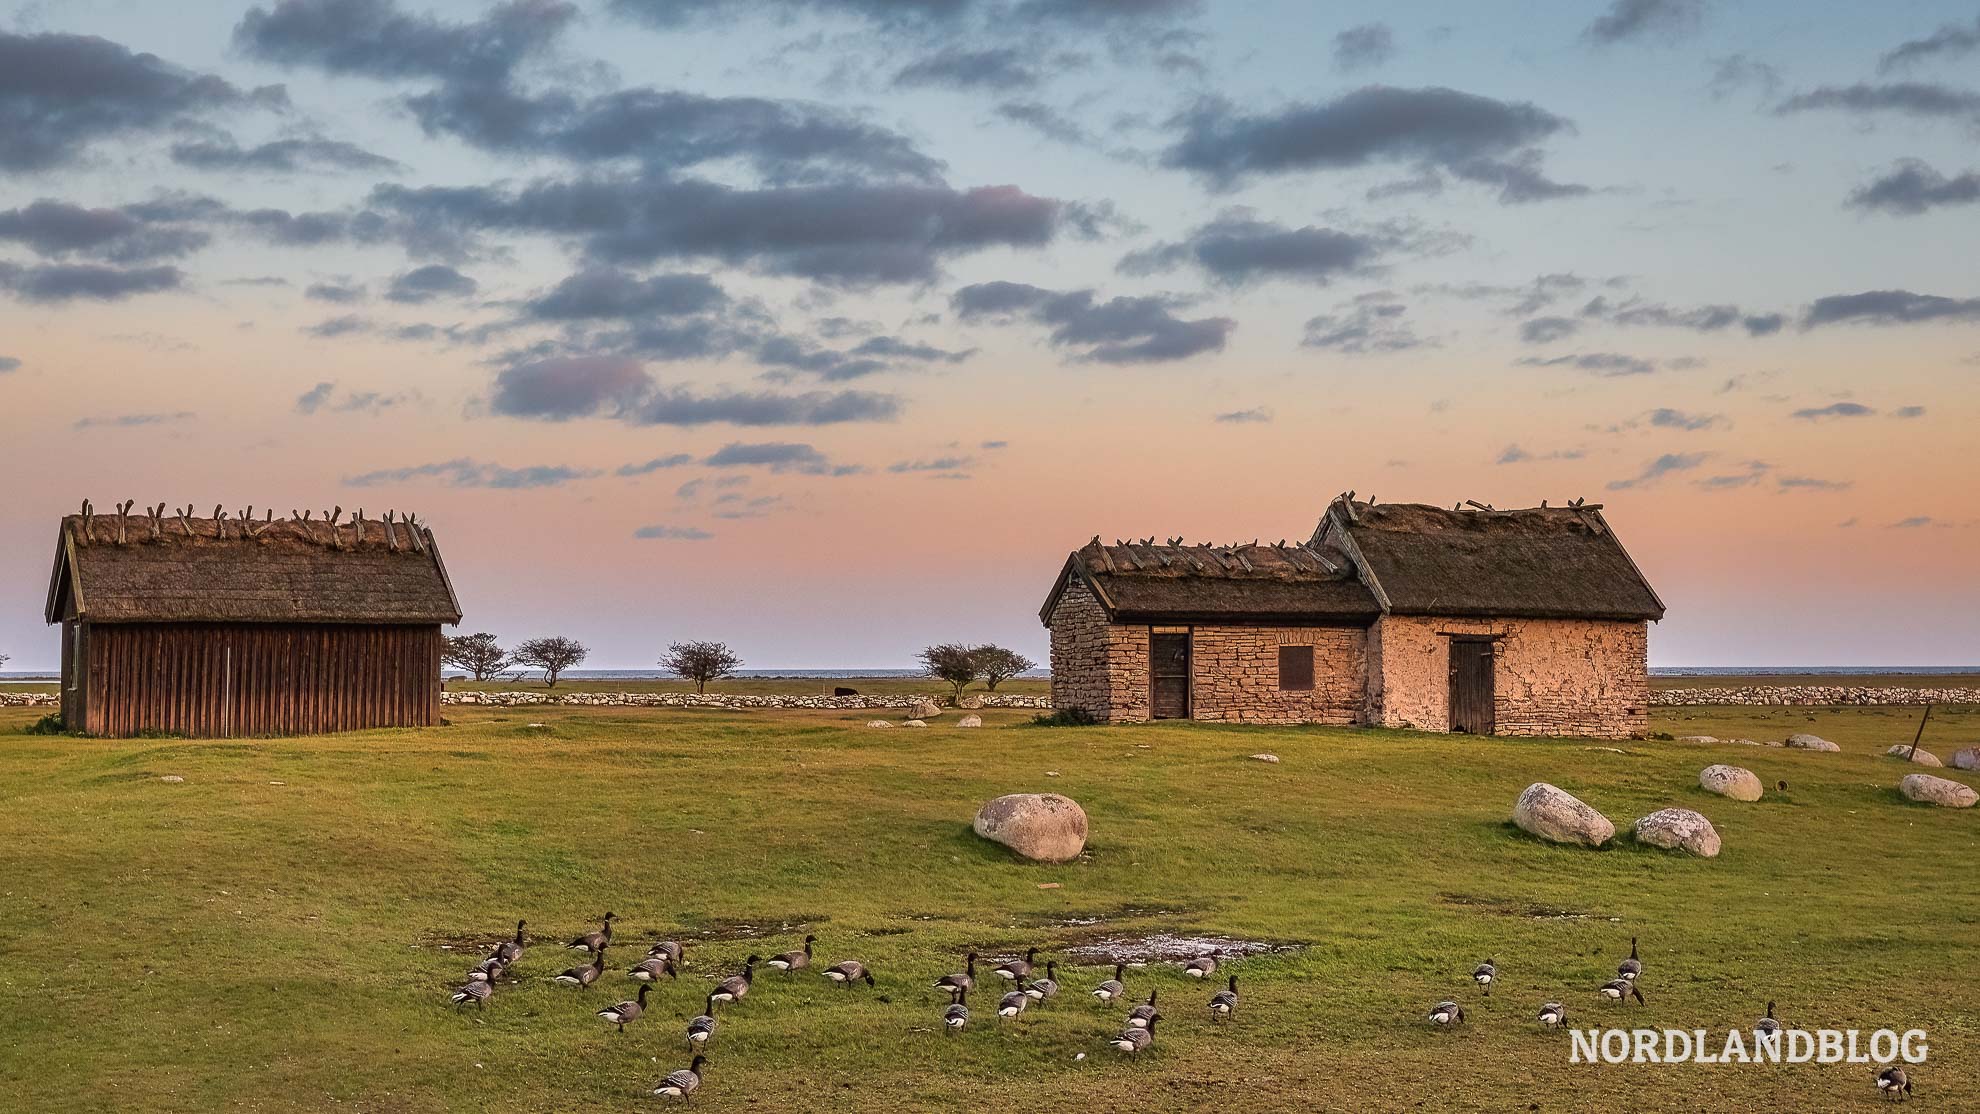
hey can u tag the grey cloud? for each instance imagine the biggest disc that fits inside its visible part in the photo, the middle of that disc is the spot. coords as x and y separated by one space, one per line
1701 319
1750 474
672 533
609 292
1666 418
1736 72
1950 41
340 293
9 363
949 465
683 408
59 94
1665 465
1641 19
1607 364
1474 137
127 235
646 467
1546 330
424 284
1835 410
1888 307
1912 523
67 282
1810 483
129 421
1364 46
1371 323
571 387
1912 187
281 156
1255 415
467 472
1908 412
375 38
849 234
1046 121
1920 99
1100 14
1237 248
323 394
313 399
776 456
565 387
1122 330
1513 454
958 67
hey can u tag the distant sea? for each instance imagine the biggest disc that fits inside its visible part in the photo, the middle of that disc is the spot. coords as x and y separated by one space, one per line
1040 674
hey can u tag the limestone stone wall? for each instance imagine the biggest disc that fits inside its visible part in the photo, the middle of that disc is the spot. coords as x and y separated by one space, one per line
1550 677
1235 675
735 701
1096 665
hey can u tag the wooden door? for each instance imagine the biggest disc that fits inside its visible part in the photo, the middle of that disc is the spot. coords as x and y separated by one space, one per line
1471 686
1168 676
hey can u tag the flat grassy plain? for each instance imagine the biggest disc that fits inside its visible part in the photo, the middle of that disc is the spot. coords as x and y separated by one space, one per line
272 933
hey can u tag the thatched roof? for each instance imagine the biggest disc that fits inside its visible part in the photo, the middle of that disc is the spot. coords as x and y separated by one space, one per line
1367 560
145 568
1235 583
1535 562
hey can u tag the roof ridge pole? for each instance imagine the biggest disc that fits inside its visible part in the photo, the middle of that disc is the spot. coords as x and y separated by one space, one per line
124 518
88 517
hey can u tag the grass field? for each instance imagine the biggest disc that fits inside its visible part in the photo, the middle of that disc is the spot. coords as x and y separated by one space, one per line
272 933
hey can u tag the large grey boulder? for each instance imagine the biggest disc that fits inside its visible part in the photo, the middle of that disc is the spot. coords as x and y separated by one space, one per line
1811 742
1679 829
1731 781
1965 758
1921 757
1045 827
1555 815
1944 792
970 720
927 709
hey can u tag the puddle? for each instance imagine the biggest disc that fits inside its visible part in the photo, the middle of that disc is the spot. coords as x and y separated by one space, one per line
1164 947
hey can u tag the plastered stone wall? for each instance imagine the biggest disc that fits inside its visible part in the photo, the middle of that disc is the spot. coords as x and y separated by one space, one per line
1235 675
1550 677
1096 665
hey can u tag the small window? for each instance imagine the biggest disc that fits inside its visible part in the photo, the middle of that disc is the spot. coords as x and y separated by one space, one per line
1295 668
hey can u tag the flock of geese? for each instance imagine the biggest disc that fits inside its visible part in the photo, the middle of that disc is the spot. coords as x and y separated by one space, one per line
665 958
1892 1081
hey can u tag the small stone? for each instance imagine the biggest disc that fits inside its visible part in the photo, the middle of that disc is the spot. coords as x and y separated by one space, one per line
1744 742
1265 757
879 723
171 777
1555 815
1922 757
1944 792
971 720
1697 739
1731 781
1679 829
915 723
1811 742
1965 758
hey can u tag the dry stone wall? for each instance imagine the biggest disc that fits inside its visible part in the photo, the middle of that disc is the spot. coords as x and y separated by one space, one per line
1096 665
738 701
1234 675
1803 695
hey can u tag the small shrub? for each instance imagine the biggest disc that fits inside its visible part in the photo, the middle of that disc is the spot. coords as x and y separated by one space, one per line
1065 717
50 724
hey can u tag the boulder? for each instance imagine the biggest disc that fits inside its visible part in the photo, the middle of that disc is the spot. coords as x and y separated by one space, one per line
171 777
1557 816
1044 827
1265 757
1811 742
927 709
1921 757
1965 758
1679 829
1731 781
915 723
879 723
1944 792
1697 739
971 720
1745 742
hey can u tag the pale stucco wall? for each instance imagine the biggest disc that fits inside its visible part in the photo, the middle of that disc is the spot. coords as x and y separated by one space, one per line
1550 676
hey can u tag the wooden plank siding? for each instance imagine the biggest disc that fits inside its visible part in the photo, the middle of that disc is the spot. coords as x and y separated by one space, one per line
220 680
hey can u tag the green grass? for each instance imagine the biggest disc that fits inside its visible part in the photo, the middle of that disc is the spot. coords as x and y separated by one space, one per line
232 942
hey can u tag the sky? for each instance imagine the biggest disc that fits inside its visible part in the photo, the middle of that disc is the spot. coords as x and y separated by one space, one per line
828 327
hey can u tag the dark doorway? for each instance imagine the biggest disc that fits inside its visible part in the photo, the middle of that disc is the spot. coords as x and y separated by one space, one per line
1471 685
1168 675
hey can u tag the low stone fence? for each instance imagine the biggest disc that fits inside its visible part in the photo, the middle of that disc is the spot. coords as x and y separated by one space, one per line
1799 695
736 701
30 700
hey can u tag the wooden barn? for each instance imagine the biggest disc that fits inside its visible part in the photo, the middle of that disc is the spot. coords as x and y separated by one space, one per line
1472 619
231 626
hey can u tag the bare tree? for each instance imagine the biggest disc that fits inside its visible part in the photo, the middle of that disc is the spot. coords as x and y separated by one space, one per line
551 655
998 665
952 662
700 662
476 653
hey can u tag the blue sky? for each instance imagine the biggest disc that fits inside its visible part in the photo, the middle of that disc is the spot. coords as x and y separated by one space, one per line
828 326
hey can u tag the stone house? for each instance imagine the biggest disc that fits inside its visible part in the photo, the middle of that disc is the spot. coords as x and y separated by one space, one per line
1514 622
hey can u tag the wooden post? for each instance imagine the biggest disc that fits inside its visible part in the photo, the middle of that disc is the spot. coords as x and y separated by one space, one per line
1913 753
